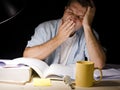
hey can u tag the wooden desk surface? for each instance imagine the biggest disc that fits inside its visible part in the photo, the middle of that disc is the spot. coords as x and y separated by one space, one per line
60 85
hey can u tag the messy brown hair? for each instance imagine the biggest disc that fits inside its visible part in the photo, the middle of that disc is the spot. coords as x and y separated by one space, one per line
84 3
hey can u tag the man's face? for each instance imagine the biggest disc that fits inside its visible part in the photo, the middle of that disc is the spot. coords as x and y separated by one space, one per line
74 12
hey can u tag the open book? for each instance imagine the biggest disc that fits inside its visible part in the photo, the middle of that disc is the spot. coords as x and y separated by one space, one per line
54 71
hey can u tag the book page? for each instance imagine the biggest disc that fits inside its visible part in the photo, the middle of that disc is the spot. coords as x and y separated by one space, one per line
60 70
6 63
108 74
37 65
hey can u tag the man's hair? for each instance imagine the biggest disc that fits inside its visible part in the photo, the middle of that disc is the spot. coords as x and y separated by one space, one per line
84 3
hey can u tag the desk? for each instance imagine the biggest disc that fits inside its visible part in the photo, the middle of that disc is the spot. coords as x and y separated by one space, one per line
60 85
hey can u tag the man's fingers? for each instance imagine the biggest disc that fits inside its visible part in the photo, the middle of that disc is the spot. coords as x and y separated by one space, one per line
67 24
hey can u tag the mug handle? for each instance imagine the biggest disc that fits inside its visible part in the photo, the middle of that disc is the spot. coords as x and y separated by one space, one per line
101 75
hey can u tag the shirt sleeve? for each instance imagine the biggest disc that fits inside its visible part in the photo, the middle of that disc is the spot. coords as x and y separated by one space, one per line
43 32
37 38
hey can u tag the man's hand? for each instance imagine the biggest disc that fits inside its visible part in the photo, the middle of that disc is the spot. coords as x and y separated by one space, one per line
88 18
66 29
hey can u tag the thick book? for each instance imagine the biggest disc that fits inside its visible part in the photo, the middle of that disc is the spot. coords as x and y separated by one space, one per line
43 70
16 75
11 71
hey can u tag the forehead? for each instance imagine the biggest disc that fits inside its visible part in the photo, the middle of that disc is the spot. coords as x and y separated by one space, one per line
76 6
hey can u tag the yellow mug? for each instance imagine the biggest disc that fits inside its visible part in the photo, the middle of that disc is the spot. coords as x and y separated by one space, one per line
85 74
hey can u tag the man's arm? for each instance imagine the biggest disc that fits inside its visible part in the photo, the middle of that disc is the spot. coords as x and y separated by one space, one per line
95 50
44 50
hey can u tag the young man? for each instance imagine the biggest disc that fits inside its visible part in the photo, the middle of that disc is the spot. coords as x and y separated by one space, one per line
68 39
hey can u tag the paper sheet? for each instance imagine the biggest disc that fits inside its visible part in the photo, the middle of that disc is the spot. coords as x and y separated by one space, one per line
109 74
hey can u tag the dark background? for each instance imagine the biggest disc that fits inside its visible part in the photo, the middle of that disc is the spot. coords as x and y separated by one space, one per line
15 33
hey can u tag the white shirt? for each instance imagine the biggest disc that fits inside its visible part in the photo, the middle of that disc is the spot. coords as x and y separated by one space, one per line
66 48
47 30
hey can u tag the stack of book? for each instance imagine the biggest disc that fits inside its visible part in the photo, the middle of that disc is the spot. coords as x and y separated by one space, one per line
14 73
21 70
